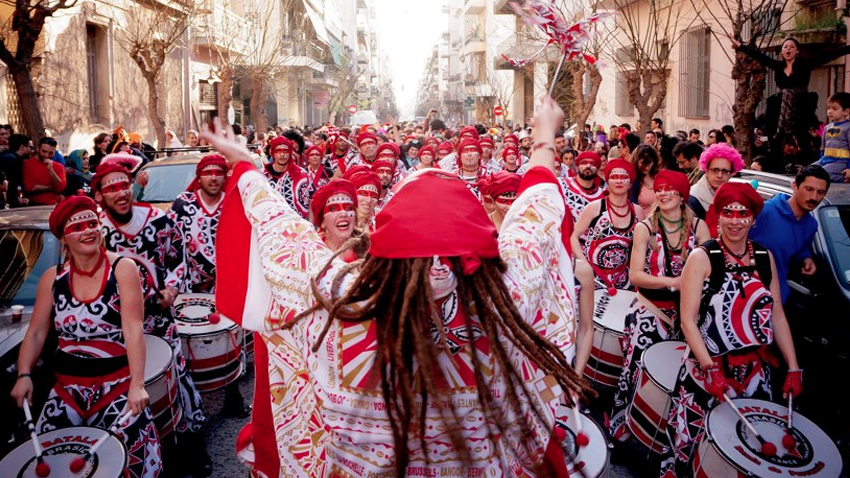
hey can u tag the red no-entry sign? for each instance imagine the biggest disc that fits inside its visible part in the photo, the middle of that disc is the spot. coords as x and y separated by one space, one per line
498 111
352 109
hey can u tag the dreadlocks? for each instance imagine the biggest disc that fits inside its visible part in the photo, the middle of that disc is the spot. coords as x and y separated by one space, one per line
397 294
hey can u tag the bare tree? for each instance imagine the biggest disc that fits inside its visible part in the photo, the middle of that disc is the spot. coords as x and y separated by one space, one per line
18 52
755 23
148 33
344 78
645 33
503 91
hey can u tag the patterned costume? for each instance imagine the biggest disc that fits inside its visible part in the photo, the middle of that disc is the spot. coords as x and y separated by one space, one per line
643 328
93 375
293 185
577 197
327 409
151 240
197 225
735 323
399 173
608 249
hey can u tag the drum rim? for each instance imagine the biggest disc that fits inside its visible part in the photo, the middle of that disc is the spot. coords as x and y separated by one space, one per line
607 461
123 446
713 444
649 375
233 326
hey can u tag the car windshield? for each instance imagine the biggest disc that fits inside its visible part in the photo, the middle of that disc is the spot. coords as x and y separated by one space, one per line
24 256
167 181
835 221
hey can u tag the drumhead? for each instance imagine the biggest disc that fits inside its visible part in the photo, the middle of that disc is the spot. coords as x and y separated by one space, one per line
61 447
609 311
592 459
158 356
662 362
193 312
815 454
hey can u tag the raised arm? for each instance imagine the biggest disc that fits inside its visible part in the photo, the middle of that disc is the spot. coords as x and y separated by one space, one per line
827 57
760 57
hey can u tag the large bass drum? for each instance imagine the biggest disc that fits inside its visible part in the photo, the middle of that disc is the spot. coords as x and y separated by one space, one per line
61 447
609 321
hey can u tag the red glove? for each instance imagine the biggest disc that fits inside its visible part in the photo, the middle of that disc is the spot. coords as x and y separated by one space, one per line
715 382
793 383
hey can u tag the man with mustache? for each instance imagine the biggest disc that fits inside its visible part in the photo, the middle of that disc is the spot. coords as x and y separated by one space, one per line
786 228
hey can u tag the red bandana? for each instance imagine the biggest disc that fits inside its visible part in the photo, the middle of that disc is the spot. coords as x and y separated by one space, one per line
674 179
67 209
317 204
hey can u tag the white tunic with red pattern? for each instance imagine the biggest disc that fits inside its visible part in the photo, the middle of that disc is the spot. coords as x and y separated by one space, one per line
197 223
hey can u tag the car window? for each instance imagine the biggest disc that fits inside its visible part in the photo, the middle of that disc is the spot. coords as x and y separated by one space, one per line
835 222
24 256
167 181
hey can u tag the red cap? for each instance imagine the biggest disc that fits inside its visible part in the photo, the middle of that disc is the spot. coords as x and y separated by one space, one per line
738 192
678 181
280 141
470 130
406 225
321 196
620 163
115 163
67 209
364 136
390 146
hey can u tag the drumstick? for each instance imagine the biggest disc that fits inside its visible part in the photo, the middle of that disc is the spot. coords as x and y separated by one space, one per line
42 469
582 439
788 441
78 463
767 448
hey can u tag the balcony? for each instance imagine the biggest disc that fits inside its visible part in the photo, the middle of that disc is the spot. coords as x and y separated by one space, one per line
303 55
474 7
474 43
224 30
362 23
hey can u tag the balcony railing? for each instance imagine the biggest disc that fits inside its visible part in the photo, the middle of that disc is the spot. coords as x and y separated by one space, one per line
224 29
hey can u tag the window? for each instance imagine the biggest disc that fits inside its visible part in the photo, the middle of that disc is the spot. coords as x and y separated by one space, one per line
622 104
694 73
98 68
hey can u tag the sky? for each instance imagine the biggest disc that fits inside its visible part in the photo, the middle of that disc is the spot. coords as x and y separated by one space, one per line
407 33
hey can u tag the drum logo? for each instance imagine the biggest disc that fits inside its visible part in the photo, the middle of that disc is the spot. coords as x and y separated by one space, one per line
195 310
601 306
764 419
66 448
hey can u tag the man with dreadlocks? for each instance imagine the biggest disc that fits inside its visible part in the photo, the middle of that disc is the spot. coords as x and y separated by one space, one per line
427 357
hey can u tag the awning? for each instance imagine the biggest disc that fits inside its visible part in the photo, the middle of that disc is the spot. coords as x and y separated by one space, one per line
318 23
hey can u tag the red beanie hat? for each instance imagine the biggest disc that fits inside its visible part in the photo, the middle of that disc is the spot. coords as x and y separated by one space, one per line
67 209
470 130
427 150
383 163
210 161
738 192
486 140
115 163
674 179
357 168
364 179
499 183
620 163
511 137
390 146
446 147
321 196
364 136
591 155
406 225
280 141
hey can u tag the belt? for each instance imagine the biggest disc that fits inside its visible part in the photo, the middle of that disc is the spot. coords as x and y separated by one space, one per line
836 153
77 366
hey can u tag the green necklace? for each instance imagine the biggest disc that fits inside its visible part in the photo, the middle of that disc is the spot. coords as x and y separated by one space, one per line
680 222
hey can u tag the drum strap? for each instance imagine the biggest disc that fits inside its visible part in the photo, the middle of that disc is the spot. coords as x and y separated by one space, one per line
655 310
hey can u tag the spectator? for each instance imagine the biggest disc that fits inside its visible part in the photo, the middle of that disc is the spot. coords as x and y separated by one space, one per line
715 136
656 125
786 228
4 186
836 153
76 172
12 163
728 134
647 164
687 155
718 163
693 136
101 145
44 179
628 143
6 130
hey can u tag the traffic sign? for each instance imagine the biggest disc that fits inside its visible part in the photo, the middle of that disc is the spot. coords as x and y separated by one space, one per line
498 111
352 109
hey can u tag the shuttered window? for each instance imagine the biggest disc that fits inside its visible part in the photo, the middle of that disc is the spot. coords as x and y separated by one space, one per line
695 73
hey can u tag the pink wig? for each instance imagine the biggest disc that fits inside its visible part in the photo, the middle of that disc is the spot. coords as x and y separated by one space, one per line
722 151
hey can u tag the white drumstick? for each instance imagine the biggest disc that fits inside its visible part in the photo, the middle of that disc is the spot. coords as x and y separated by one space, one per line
42 469
78 463
767 448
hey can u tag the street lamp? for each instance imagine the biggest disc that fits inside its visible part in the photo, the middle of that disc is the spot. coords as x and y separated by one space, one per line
212 78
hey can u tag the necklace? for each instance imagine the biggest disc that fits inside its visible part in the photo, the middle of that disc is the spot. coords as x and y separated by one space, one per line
89 273
680 224
736 260
612 209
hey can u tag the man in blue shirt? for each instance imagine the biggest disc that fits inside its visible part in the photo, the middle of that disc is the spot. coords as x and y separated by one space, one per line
786 228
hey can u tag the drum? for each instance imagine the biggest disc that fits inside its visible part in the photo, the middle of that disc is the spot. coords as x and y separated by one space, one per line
730 449
212 350
647 412
592 460
609 319
161 384
61 447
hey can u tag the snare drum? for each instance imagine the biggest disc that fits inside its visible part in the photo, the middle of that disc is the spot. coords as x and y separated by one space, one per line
591 460
61 447
730 449
609 320
161 384
212 350
647 413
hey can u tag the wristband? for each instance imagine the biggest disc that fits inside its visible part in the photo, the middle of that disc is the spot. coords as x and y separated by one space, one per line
22 375
548 146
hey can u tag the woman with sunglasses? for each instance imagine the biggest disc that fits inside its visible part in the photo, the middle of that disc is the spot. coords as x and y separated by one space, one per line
729 318
100 359
660 247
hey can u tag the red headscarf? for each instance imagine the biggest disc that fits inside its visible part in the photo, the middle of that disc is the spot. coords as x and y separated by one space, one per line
383 163
433 142
67 209
207 162
738 192
499 183
357 168
470 130
115 163
591 155
392 147
469 143
364 178
279 141
620 163
511 136
366 135
321 196
485 140
406 226
428 150
446 147
678 181
312 148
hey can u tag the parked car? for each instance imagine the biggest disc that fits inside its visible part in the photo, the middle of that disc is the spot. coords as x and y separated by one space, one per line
818 309
167 178
27 249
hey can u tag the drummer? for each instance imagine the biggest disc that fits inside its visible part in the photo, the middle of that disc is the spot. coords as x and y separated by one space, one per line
195 215
609 223
100 365
660 246
149 237
729 317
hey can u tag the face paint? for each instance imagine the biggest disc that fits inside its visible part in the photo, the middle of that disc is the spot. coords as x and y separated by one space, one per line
368 193
116 188
339 207
506 201
82 226
733 214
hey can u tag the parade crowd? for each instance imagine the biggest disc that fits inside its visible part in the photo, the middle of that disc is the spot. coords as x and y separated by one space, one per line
422 298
